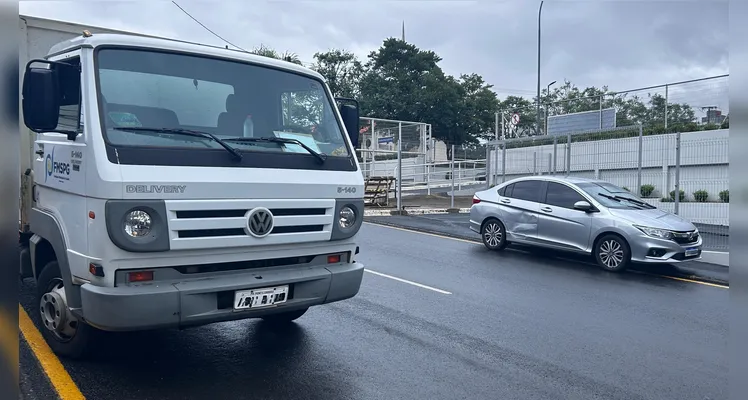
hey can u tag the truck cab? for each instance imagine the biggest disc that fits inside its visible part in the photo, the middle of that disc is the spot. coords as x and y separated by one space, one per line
176 185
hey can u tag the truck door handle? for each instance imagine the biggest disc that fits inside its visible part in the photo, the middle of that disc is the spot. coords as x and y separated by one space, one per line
546 209
39 152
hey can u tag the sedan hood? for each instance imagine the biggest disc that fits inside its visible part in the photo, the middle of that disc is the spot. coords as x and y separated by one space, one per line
654 218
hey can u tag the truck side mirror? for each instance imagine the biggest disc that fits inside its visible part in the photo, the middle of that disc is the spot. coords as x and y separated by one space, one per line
41 99
350 115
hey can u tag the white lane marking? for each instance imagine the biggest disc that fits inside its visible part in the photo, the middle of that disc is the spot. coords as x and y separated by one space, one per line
407 281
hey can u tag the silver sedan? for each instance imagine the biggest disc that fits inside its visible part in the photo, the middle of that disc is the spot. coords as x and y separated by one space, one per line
585 216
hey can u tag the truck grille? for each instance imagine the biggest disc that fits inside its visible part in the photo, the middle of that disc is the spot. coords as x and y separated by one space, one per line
224 223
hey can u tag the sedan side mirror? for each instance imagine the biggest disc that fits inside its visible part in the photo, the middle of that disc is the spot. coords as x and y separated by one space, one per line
583 206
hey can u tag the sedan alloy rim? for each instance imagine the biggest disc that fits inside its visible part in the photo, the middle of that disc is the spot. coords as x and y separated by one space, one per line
492 234
611 253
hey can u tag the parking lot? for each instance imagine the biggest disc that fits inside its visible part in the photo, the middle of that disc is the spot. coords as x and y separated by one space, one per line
438 318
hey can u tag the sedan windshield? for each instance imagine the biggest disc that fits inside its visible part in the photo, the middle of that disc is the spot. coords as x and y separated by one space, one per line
613 196
162 95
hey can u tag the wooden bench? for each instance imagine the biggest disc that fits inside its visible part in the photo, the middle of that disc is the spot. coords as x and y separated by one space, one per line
377 190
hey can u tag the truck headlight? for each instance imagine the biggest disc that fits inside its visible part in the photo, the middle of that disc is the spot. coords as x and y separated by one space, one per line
346 217
138 223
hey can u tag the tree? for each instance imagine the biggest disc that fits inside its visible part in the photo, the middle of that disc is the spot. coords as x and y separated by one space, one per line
525 108
272 53
342 70
479 103
403 82
630 109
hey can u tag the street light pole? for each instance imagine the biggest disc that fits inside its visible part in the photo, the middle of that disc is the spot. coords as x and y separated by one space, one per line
537 112
547 107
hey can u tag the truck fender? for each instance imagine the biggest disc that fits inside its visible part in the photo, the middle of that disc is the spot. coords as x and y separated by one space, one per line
46 228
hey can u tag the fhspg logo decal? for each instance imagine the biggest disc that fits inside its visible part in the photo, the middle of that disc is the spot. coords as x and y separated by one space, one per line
60 170
49 162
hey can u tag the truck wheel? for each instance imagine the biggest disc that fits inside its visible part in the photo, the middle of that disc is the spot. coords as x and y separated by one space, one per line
284 317
63 332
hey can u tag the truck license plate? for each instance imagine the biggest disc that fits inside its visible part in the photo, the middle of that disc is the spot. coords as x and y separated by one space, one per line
258 298
693 251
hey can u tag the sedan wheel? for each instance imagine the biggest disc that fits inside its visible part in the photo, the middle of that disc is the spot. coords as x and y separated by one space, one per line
612 253
493 235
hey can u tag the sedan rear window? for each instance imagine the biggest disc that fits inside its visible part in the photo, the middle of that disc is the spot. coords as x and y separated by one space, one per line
527 190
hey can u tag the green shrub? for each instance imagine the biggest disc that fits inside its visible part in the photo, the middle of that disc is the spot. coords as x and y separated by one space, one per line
646 190
701 196
724 196
681 197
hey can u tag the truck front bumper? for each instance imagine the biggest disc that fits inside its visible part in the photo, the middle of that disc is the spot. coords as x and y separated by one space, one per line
209 300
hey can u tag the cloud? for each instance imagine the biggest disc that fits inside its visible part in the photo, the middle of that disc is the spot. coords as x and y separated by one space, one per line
622 44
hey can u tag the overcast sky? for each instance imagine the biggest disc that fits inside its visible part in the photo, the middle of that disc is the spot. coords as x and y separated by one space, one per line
621 44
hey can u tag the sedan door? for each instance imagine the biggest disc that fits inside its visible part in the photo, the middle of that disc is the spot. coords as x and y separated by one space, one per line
560 225
519 206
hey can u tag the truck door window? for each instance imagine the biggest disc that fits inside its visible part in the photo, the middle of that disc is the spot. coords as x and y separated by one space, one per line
70 91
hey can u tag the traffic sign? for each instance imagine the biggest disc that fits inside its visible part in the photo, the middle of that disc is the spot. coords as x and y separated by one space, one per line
515 119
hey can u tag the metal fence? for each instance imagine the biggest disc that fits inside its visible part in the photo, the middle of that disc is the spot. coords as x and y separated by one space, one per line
651 165
417 165
686 106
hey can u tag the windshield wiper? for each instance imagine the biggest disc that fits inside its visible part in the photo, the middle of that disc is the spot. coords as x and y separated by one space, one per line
320 157
185 132
635 201
607 196
630 200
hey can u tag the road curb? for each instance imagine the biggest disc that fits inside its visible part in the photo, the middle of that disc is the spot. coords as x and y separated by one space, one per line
684 275
415 211
716 257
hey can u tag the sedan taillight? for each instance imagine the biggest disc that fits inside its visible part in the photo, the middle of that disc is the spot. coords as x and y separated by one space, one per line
476 200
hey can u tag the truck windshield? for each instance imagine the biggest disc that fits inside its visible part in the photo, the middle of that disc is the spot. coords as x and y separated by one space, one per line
156 92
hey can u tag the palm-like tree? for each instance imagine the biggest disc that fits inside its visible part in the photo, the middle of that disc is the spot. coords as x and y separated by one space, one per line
272 53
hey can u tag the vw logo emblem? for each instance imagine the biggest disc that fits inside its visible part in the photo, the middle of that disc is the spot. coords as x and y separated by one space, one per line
260 222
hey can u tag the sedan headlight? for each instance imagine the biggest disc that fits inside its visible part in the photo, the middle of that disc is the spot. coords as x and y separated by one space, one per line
655 232
138 223
346 217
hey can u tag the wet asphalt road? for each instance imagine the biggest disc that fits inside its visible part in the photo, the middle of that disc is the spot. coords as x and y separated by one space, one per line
515 326
457 225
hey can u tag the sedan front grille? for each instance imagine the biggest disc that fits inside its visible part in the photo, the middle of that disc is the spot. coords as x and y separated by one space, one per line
686 237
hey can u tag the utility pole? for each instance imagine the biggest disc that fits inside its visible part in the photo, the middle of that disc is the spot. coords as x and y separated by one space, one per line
537 112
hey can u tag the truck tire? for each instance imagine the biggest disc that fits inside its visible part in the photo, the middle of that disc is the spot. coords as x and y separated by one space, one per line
284 317
63 332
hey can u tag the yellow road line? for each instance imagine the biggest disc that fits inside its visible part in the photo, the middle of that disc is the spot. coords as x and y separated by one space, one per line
58 376
476 243
684 280
9 341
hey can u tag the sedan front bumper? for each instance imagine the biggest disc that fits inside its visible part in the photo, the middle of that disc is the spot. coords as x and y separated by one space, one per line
650 250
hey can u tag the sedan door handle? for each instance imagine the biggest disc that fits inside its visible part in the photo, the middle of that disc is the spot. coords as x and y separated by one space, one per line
546 209
505 201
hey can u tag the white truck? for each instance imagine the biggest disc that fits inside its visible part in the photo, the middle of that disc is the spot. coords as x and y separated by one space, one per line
171 184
